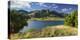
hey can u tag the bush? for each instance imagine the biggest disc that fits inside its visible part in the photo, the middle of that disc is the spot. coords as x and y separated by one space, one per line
49 32
72 19
17 21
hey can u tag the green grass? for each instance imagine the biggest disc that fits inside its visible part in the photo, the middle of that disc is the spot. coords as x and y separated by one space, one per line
59 30
47 19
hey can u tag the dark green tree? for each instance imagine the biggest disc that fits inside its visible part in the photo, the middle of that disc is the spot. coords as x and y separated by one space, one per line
72 19
17 21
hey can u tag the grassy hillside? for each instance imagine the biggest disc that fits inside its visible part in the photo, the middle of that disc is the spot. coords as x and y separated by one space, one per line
59 30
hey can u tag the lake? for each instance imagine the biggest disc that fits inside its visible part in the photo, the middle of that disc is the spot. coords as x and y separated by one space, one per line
40 24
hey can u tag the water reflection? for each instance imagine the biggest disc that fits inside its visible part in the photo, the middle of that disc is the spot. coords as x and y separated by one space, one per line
40 24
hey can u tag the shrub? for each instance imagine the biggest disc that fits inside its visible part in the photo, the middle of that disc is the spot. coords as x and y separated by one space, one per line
17 21
72 19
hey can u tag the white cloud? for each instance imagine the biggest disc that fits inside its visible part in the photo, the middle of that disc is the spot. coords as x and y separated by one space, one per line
20 4
66 9
70 8
46 6
55 7
41 4
54 4
51 6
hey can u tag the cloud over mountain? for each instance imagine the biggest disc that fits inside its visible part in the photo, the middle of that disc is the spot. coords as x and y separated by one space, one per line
29 6
20 4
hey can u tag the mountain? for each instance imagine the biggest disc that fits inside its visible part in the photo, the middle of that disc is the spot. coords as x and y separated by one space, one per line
45 13
42 13
23 11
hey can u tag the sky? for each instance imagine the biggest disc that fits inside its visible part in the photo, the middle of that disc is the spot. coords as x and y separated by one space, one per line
30 6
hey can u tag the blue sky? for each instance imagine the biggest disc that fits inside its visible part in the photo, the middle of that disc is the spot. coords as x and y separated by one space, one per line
30 6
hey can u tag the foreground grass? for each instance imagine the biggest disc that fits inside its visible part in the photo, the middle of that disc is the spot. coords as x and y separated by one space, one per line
53 31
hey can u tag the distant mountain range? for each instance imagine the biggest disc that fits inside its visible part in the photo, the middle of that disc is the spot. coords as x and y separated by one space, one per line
42 13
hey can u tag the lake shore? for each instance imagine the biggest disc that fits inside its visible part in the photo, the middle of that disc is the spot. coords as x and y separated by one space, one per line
50 31
47 19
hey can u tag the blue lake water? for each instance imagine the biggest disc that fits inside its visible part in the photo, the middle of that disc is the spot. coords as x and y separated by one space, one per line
40 24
